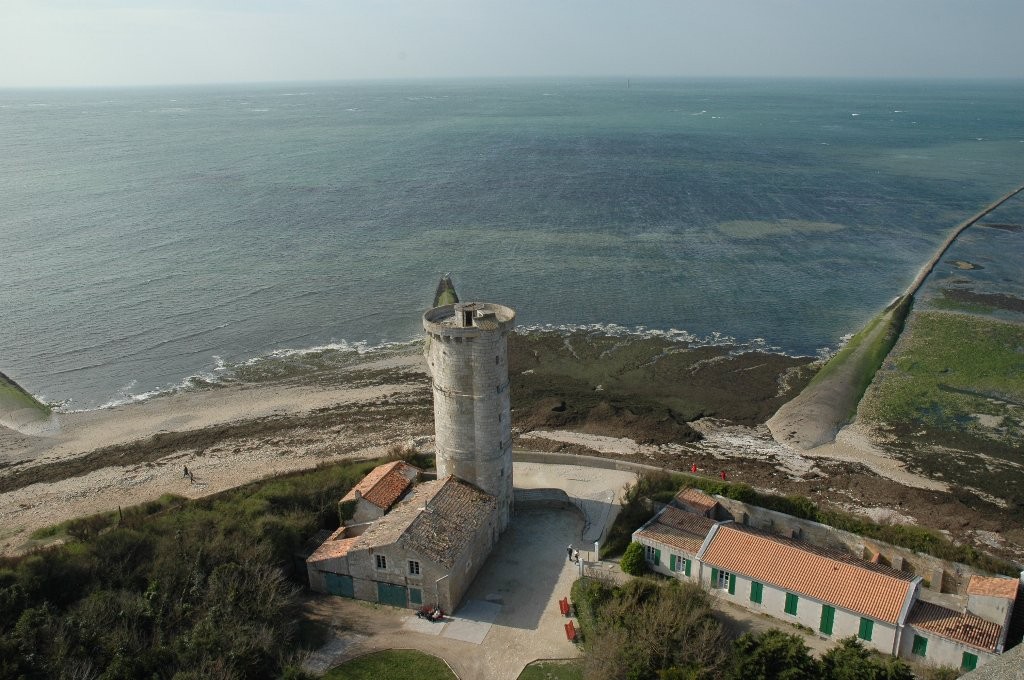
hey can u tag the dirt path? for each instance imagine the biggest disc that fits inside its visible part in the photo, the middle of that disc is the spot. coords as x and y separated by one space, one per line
853 445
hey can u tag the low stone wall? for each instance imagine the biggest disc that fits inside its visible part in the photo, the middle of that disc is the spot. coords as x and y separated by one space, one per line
939 575
552 458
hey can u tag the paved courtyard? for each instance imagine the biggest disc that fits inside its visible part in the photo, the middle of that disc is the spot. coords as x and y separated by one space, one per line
509 616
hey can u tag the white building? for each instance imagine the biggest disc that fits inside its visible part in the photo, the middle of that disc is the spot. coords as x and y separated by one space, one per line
831 592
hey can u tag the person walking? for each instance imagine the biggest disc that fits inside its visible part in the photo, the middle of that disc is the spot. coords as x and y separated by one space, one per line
185 474
568 553
576 556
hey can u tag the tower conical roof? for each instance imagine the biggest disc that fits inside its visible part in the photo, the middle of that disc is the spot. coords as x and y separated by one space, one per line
445 294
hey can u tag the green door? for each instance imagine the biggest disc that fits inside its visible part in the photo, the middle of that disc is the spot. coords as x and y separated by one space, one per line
388 593
828 617
339 584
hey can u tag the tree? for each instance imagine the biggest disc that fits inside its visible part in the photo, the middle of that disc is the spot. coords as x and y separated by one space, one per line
633 562
772 655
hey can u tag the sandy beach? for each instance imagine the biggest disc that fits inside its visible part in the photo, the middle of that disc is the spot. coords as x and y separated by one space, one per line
226 436
233 434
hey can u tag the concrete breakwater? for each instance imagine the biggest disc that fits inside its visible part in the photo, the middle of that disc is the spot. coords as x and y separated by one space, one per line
814 417
928 266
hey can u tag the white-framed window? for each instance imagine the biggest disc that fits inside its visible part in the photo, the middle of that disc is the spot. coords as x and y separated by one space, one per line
723 579
414 568
382 562
649 553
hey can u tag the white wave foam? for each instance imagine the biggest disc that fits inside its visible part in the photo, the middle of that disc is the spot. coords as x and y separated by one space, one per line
643 333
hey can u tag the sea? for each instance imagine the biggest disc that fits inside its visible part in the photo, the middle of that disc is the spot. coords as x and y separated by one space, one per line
156 238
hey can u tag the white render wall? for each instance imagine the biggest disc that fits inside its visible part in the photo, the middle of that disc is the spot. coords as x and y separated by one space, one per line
941 651
666 562
808 612
472 411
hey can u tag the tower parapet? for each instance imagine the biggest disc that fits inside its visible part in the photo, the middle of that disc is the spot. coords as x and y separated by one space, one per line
467 357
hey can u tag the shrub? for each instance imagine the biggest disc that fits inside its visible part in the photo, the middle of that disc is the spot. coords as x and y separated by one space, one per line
633 562
849 660
648 629
772 655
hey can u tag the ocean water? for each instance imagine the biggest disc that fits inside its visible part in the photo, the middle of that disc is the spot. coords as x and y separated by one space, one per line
149 235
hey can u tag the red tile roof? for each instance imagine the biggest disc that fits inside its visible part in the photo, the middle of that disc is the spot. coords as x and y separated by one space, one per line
679 529
829 576
960 626
384 484
437 520
336 546
696 499
993 586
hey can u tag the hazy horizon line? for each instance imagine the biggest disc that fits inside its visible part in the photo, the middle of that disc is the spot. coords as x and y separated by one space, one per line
525 78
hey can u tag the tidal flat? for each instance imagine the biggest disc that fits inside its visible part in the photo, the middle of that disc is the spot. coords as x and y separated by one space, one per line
949 401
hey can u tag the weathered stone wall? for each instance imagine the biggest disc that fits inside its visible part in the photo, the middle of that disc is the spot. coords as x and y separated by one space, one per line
939 575
472 411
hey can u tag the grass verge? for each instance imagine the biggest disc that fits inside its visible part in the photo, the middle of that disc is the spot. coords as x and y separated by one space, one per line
570 669
392 664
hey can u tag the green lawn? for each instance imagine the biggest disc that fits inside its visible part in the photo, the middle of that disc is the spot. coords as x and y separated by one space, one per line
393 664
570 669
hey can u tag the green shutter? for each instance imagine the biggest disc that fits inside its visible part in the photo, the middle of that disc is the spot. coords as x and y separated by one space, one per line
732 584
866 627
828 617
687 567
920 646
714 577
657 557
672 562
969 662
756 591
791 603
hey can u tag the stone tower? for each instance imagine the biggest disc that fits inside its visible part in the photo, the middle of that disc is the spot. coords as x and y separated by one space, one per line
467 357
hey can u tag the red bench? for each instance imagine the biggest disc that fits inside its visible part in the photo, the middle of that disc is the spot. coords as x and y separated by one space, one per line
563 606
570 632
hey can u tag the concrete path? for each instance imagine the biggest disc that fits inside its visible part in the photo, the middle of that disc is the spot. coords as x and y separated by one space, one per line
472 622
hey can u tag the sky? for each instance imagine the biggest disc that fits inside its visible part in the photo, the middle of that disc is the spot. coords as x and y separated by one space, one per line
81 43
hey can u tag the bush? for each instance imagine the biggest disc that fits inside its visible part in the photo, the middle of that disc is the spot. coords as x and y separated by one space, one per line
849 660
772 655
633 561
648 629
190 589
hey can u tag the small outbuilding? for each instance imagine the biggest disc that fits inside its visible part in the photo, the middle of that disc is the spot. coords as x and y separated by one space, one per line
378 491
697 502
671 541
